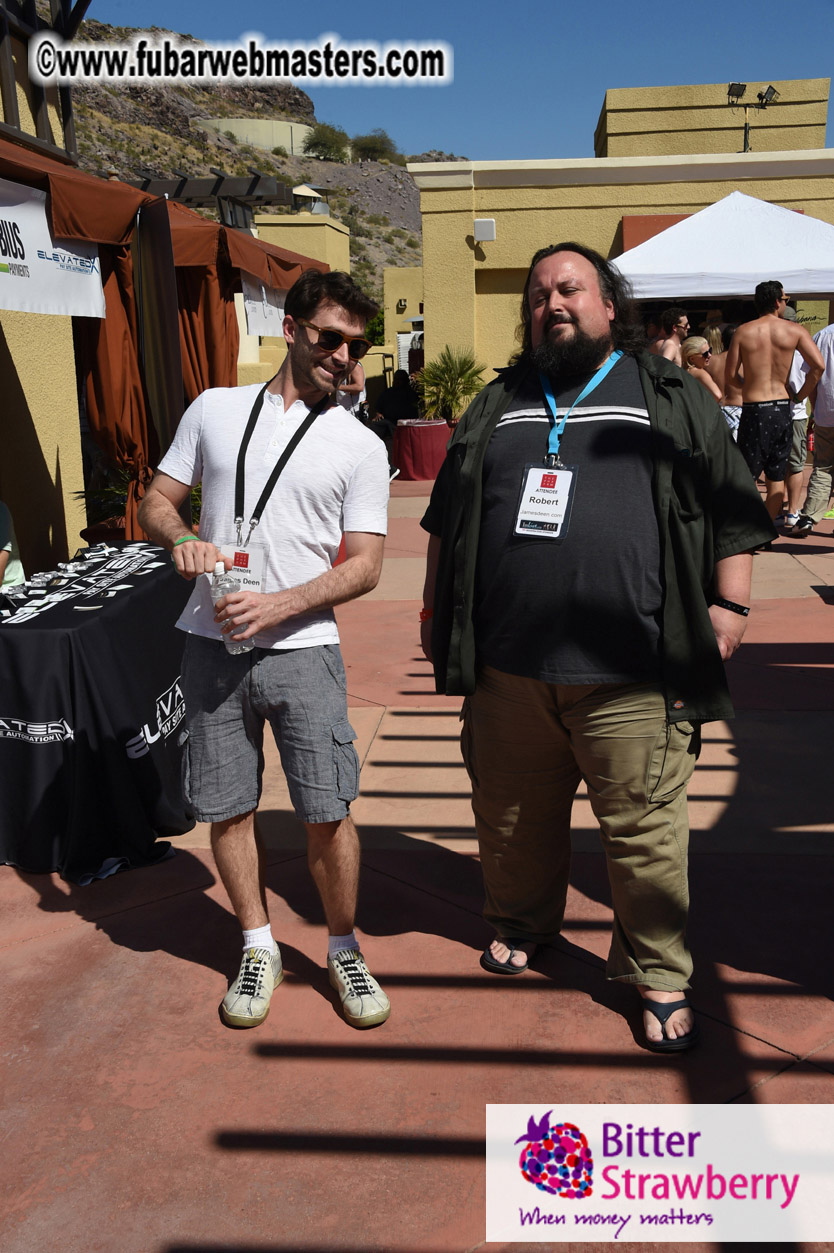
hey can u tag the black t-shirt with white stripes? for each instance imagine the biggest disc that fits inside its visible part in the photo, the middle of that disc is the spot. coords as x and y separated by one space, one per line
585 610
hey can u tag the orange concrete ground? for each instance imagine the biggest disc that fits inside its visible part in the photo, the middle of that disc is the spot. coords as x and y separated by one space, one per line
135 1121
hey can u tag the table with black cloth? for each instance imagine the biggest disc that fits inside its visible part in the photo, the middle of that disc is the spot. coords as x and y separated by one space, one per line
420 449
92 717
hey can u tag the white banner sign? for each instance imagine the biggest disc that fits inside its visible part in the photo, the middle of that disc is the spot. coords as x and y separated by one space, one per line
264 306
38 275
669 1174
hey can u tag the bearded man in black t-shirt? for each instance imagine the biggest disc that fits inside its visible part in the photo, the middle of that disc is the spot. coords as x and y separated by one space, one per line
591 548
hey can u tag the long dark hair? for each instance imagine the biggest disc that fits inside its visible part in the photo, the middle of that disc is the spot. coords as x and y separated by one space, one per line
626 331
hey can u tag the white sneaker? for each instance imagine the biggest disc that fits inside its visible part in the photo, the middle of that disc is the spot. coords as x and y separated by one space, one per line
364 1004
246 1004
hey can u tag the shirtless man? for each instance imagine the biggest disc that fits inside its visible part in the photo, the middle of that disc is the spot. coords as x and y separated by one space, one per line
762 352
674 329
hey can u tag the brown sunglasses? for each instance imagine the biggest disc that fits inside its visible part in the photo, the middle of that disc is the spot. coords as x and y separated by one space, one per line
331 341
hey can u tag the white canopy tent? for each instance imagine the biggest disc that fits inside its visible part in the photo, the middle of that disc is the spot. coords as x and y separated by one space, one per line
729 247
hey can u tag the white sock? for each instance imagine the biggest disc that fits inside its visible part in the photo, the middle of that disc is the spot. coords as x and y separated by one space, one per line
338 943
259 937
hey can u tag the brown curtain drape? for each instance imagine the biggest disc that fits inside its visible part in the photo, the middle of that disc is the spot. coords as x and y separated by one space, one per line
80 205
209 335
207 257
108 366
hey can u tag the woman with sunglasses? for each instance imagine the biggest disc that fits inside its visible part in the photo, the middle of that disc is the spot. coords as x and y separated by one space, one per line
695 353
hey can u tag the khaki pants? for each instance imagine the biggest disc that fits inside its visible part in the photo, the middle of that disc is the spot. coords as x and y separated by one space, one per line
819 484
526 745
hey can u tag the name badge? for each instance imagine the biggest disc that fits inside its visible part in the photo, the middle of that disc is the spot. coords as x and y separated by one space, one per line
545 502
248 565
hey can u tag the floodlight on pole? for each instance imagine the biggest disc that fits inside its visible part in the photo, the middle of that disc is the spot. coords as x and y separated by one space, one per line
766 96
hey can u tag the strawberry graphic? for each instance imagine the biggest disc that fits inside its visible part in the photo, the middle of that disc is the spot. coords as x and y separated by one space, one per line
557 1159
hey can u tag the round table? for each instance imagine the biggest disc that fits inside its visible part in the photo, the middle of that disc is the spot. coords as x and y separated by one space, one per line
420 449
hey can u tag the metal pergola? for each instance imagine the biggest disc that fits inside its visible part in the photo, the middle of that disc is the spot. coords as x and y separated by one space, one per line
235 198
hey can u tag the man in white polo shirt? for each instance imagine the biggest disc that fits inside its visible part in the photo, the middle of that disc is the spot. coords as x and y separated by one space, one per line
286 532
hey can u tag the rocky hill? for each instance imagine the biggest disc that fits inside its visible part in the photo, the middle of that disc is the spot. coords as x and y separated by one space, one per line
133 129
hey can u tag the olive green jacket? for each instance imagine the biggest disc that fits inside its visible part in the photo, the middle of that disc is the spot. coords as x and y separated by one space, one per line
707 508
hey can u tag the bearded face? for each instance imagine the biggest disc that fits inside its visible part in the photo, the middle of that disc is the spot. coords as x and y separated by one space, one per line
570 321
574 356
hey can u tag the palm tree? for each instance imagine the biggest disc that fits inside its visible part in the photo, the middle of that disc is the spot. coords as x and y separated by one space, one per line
449 382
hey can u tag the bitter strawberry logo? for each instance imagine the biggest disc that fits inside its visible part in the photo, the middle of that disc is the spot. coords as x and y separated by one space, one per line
548 480
242 561
557 1159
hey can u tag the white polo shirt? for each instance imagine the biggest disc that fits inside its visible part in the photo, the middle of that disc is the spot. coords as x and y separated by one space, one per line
335 481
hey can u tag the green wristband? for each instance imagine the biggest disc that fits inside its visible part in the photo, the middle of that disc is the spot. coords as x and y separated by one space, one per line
183 538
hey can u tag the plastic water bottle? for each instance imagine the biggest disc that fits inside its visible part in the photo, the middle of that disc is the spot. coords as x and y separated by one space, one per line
221 585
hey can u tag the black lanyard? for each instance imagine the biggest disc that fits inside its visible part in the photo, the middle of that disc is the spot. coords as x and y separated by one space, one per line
279 465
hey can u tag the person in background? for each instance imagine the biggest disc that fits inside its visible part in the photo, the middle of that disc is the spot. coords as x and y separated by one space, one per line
712 334
652 332
715 317
759 361
351 394
674 328
716 368
11 568
822 403
799 446
695 354
398 403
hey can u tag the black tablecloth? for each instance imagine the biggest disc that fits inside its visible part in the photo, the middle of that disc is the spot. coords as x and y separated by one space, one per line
91 715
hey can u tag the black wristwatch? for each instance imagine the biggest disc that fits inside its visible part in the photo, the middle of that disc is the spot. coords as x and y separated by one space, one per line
731 605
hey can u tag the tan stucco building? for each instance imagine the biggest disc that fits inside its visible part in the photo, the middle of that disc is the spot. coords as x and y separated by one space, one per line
471 290
704 118
40 466
403 299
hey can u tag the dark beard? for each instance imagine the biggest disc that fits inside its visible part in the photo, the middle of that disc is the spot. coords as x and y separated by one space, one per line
571 359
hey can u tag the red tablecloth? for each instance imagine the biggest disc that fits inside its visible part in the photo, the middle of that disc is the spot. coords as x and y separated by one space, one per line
420 448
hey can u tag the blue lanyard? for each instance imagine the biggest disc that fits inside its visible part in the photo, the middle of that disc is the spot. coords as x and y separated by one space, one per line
557 427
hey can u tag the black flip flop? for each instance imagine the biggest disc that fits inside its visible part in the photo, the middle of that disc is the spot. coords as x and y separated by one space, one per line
495 967
663 1012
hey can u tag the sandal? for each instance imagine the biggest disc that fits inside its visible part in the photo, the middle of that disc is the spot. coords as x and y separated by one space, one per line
495 967
663 1012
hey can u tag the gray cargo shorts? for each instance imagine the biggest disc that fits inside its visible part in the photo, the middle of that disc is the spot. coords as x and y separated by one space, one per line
301 692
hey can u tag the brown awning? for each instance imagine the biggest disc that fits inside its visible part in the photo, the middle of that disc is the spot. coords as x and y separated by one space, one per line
206 256
81 206
199 241
103 211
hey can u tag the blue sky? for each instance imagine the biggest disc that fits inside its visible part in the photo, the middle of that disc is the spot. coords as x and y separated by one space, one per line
530 78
